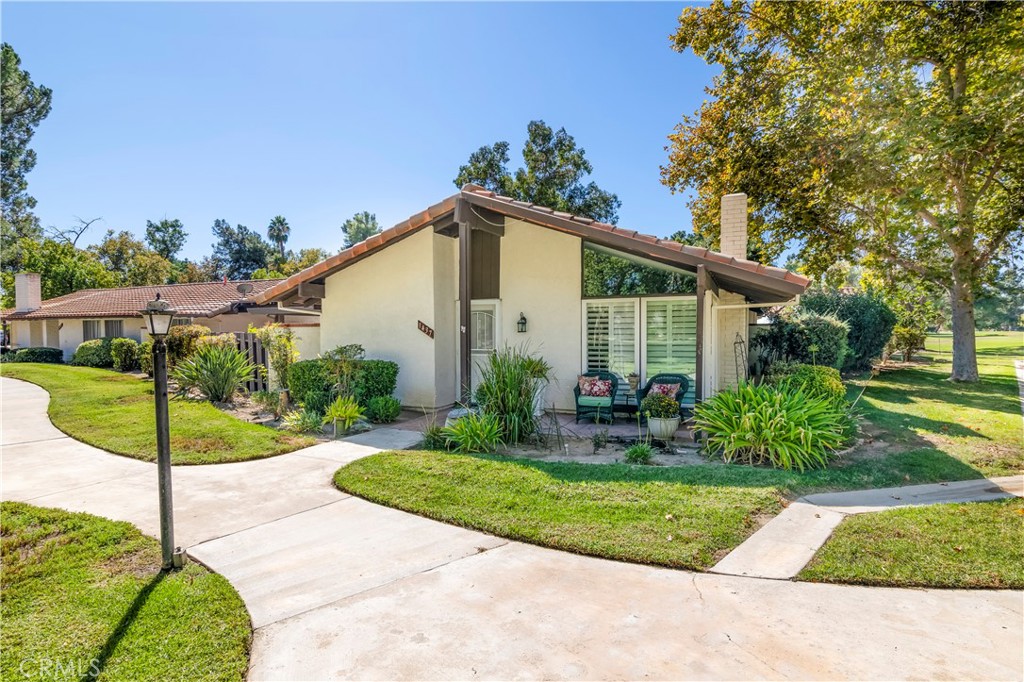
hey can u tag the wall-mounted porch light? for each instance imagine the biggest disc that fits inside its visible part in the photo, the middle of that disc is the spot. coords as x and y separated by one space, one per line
521 324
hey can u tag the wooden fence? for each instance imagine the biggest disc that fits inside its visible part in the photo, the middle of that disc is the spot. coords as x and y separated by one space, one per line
257 354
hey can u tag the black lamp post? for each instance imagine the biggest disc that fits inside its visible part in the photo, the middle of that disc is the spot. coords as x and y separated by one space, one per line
158 316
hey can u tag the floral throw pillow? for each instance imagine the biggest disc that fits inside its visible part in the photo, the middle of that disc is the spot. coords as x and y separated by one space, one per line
665 389
594 387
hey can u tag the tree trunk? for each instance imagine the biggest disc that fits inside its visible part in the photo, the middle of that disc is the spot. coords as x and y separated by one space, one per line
965 359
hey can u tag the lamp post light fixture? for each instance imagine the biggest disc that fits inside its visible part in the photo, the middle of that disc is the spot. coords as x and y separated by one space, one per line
158 316
521 324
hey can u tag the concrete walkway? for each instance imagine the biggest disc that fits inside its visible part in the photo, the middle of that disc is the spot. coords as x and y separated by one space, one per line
782 547
341 588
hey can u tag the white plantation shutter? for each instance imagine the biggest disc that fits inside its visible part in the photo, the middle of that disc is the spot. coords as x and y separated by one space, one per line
612 340
671 341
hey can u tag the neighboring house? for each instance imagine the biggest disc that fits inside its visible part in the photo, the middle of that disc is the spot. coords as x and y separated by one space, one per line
66 321
439 291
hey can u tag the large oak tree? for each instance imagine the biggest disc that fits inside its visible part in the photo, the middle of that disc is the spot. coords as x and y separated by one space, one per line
889 131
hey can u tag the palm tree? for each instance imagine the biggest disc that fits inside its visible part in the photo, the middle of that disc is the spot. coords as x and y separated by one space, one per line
278 232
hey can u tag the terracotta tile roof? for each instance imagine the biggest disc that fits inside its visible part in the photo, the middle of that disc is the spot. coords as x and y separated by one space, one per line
203 299
744 275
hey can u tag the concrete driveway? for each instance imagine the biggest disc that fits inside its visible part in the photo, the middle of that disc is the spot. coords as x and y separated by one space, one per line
340 588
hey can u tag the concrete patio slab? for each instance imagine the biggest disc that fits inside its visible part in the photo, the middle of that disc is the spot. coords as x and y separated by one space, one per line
387 439
285 567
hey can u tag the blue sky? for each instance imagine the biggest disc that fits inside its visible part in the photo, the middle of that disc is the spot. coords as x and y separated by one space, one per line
316 111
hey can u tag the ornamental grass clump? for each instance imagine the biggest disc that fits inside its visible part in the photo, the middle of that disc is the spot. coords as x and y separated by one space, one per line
781 426
216 372
474 433
507 391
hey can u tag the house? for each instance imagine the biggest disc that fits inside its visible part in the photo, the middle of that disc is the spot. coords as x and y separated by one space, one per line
439 291
66 321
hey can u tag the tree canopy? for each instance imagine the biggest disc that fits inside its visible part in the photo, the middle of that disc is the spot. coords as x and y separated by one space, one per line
238 251
892 132
553 173
361 226
166 237
277 232
23 106
128 259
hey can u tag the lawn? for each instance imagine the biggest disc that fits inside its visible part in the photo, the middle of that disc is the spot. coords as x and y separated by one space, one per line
945 545
83 597
687 517
115 412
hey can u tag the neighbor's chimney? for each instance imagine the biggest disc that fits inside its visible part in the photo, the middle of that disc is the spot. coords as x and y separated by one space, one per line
27 292
734 225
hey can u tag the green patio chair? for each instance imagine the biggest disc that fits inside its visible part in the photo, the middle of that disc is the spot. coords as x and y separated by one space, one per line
681 379
592 406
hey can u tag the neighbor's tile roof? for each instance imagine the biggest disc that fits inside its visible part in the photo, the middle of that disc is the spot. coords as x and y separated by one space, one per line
736 271
203 299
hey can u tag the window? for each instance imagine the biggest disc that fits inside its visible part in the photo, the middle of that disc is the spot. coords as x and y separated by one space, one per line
113 328
181 321
91 330
671 339
611 339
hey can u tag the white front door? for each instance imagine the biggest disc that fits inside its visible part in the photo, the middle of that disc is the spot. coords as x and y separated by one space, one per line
485 336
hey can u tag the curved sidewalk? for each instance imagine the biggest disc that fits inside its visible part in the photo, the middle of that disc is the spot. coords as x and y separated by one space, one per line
341 588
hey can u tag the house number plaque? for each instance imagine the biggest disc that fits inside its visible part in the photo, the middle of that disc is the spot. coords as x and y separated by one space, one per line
424 328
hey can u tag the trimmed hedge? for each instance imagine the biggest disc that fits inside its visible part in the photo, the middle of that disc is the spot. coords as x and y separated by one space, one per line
870 319
125 354
94 353
53 356
375 379
308 376
146 357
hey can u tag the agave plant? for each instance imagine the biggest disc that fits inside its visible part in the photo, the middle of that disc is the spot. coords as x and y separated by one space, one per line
780 425
345 410
215 371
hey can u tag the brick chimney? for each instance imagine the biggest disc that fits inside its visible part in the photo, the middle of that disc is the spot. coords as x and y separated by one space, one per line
734 225
27 292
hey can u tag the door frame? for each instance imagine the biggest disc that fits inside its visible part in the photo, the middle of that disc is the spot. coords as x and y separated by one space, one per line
498 338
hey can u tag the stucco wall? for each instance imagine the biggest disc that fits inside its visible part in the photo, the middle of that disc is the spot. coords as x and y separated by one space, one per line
541 278
307 339
377 301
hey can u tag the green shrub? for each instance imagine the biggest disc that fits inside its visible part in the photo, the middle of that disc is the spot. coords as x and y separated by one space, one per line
146 357
182 340
307 376
506 391
905 340
779 425
659 406
383 409
805 337
279 342
53 356
474 433
434 438
815 380
317 401
214 371
343 364
8 354
94 353
268 401
226 340
302 421
375 379
870 321
639 453
125 354
344 410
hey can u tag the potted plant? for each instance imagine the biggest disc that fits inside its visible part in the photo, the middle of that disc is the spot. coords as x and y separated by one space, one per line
662 414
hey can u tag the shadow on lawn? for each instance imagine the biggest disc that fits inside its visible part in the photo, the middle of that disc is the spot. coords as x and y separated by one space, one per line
905 387
905 467
100 661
